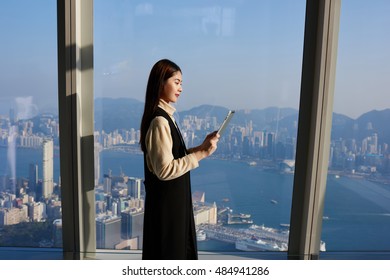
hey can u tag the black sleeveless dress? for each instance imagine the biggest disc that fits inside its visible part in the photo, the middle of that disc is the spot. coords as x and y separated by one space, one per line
169 228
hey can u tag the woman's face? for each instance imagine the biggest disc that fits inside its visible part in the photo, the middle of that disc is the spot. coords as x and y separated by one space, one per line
172 88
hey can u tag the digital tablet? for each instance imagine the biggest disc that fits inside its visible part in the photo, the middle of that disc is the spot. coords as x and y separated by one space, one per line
226 122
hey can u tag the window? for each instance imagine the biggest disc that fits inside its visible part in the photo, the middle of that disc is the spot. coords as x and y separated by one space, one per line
242 55
357 203
30 185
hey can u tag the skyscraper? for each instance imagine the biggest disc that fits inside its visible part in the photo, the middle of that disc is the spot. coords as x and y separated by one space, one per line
108 230
12 116
97 162
47 168
33 177
374 143
57 233
134 187
270 144
107 182
132 221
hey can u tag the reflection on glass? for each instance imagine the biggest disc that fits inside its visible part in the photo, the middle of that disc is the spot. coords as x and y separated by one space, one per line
241 55
30 198
357 203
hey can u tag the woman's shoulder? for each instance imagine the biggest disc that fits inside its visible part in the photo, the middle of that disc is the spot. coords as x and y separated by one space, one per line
159 121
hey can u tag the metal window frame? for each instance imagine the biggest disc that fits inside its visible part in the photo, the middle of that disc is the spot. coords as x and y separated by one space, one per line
314 127
75 83
75 90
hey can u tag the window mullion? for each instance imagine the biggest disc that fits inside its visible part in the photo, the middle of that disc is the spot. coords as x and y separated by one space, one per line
315 121
75 72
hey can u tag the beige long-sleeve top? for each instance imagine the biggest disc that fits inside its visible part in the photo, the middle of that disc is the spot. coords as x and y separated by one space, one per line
159 157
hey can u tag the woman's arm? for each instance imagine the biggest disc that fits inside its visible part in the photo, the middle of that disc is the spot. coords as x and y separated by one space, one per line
159 158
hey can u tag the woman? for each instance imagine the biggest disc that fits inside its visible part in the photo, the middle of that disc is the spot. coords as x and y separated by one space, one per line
169 228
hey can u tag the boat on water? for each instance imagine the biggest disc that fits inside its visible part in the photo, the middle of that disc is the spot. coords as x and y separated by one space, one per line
273 201
241 215
240 218
322 246
245 216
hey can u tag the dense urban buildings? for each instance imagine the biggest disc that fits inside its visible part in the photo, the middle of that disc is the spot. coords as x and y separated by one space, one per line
120 197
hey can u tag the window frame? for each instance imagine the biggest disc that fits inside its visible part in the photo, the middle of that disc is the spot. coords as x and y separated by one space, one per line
75 90
314 127
75 83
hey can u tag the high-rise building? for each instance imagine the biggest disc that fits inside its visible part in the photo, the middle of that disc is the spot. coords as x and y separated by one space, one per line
134 187
270 143
114 209
132 224
47 168
205 214
108 231
33 177
107 183
37 211
12 115
57 233
374 142
97 162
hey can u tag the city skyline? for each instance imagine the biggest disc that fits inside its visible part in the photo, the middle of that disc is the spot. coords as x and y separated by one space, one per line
240 54
119 196
213 46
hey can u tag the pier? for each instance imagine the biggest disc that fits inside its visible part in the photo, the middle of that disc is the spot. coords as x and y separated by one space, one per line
231 235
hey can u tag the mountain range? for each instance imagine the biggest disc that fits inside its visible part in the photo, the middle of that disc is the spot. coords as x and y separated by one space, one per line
125 113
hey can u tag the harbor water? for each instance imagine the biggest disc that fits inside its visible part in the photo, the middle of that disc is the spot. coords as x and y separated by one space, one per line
356 213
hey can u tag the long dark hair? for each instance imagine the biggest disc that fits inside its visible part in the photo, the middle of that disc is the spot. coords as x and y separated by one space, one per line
160 73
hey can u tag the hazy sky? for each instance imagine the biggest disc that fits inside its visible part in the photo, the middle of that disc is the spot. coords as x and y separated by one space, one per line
238 54
234 53
363 68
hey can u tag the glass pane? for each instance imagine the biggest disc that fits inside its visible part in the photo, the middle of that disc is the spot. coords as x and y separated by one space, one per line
357 202
241 55
30 197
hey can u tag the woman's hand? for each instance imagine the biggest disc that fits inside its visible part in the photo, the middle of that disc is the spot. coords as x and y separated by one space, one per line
208 146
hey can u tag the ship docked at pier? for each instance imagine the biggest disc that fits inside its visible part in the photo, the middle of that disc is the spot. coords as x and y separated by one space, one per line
256 244
263 238
253 238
